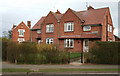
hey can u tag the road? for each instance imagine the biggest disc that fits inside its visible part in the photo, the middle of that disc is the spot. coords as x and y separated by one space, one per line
80 66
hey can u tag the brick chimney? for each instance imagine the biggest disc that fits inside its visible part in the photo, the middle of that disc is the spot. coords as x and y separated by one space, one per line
90 8
58 12
29 24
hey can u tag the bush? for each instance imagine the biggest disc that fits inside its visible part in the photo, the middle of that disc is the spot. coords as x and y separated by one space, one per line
12 51
51 55
104 53
32 53
4 42
27 52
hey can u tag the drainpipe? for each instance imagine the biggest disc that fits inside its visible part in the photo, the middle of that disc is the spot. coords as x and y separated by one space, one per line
58 33
107 29
82 54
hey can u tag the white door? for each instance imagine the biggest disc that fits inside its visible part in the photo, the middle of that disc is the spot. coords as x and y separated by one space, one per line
85 45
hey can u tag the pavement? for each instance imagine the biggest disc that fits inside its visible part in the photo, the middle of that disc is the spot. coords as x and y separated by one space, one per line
60 66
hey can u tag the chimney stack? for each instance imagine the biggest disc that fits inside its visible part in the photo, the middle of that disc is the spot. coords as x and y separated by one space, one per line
58 12
29 24
90 8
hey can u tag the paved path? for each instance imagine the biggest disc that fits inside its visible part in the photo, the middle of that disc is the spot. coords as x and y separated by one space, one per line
81 66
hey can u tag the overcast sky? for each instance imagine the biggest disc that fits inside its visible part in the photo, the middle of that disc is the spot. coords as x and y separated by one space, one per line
15 11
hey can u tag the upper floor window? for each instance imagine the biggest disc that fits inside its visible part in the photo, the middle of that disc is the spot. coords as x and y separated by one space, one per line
38 31
69 43
49 28
21 39
110 28
87 28
21 32
49 40
69 26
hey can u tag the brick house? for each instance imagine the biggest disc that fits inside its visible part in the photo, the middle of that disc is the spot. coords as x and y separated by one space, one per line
74 30
36 31
21 32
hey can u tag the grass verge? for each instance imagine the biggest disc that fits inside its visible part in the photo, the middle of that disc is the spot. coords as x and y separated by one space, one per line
61 70
78 70
15 70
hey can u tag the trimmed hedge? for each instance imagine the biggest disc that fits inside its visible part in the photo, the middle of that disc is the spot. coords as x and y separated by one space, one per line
32 53
103 53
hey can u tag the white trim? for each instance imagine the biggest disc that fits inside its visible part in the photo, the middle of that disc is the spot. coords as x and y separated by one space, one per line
49 28
68 26
85 28
49 40
68 40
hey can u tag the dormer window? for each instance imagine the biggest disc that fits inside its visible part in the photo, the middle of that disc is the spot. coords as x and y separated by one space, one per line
21 32
69 27
49 28
86 28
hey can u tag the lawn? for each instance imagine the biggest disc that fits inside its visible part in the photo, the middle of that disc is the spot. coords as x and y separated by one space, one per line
78 70
15 70
75 55
61 70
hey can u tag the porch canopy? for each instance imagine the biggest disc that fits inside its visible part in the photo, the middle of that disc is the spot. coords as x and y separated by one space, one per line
84 35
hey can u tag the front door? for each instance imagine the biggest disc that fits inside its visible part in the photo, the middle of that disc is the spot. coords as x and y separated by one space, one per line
85 45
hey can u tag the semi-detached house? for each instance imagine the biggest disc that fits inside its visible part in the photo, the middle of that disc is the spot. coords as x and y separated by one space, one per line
74 30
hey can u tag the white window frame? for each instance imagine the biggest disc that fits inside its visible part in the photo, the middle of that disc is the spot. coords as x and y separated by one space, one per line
39 31
68 25
21 32
85 28
49 28
21 39
66 42
110 28
39 41
49 40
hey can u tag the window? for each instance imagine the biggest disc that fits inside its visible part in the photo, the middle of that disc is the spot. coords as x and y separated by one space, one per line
21 32
110 28
39 41
69 26
87 28
69 43
49 28
21 39
38 31
49 40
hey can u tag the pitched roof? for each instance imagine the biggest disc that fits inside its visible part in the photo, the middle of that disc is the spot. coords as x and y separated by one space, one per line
57 15
38 24
92 16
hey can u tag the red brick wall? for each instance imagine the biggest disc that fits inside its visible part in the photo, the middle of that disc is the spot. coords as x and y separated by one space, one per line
104 27
50 19
34 36
15 33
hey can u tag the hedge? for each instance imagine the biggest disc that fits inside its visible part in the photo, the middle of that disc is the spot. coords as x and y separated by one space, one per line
103 53
32 53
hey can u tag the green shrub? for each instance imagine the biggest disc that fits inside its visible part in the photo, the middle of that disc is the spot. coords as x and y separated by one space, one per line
4 42
12 51
104 53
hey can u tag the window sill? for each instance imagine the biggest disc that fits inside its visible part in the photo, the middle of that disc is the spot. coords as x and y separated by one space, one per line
69 47
68 31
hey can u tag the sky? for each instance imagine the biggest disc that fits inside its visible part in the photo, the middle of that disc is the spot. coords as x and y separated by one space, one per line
16 11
